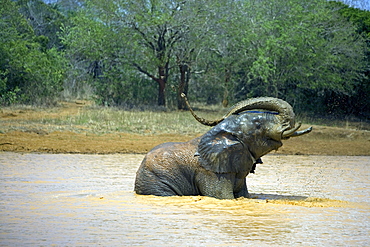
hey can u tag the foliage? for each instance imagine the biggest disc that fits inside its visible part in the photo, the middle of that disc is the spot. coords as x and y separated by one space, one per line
29 73
294 55
45 21
145 40
359 103
314 54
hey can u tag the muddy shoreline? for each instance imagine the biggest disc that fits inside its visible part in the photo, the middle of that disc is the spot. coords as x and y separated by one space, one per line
51 130
86 143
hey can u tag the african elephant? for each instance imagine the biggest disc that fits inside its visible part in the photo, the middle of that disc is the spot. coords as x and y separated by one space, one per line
216 164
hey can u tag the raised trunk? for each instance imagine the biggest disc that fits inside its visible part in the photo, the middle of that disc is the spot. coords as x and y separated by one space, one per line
267 103
278 106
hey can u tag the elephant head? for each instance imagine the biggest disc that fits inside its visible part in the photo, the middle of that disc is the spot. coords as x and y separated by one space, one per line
268 104
251 129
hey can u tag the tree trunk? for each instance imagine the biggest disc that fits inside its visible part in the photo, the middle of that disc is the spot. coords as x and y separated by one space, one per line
161 92
162 85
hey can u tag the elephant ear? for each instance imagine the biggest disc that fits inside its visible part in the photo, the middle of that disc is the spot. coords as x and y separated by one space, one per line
222 152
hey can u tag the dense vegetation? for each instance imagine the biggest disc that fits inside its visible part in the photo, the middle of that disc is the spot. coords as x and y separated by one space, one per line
315 54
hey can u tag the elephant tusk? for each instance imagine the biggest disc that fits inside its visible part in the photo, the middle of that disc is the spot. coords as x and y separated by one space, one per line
296 133
290 132
302 132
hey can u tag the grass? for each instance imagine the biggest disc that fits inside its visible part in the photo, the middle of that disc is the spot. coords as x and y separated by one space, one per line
101 120
105 120
345 122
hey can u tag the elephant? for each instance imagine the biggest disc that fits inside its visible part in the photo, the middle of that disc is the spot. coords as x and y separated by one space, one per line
217 163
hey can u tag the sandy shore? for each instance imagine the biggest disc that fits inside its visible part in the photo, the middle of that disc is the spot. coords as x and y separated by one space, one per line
26 137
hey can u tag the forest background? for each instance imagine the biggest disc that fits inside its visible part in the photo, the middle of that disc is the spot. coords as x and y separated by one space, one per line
315 53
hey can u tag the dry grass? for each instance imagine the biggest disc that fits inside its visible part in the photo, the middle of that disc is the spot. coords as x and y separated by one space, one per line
102 120
81 116
81 128
344 122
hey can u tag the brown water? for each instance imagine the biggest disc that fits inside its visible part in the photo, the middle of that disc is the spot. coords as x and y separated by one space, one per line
88 200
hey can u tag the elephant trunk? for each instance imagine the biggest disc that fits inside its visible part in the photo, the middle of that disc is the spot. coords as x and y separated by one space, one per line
199 119
283 108
265 103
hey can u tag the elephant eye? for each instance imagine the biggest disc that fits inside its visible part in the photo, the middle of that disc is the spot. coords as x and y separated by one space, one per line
257 123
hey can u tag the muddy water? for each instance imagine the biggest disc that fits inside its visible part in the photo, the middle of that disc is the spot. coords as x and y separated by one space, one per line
88 200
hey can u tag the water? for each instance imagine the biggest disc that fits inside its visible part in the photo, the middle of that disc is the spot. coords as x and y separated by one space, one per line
88 200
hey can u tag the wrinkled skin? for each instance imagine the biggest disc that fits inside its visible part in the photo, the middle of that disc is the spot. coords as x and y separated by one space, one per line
215 164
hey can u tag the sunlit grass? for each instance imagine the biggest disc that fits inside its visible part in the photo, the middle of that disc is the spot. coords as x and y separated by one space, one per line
101 120
345 122
146 122
107 120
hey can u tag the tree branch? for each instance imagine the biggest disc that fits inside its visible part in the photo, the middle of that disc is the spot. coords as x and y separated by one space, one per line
144 71
147 41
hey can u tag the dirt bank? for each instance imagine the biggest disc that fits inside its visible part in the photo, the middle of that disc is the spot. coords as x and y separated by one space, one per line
21 132
69 142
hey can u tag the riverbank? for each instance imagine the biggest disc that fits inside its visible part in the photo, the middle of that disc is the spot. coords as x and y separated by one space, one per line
79 128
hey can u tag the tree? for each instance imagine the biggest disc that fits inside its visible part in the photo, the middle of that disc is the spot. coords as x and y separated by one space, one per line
150 31
359 102
152 37
298 49
29 73
45 21
304 52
